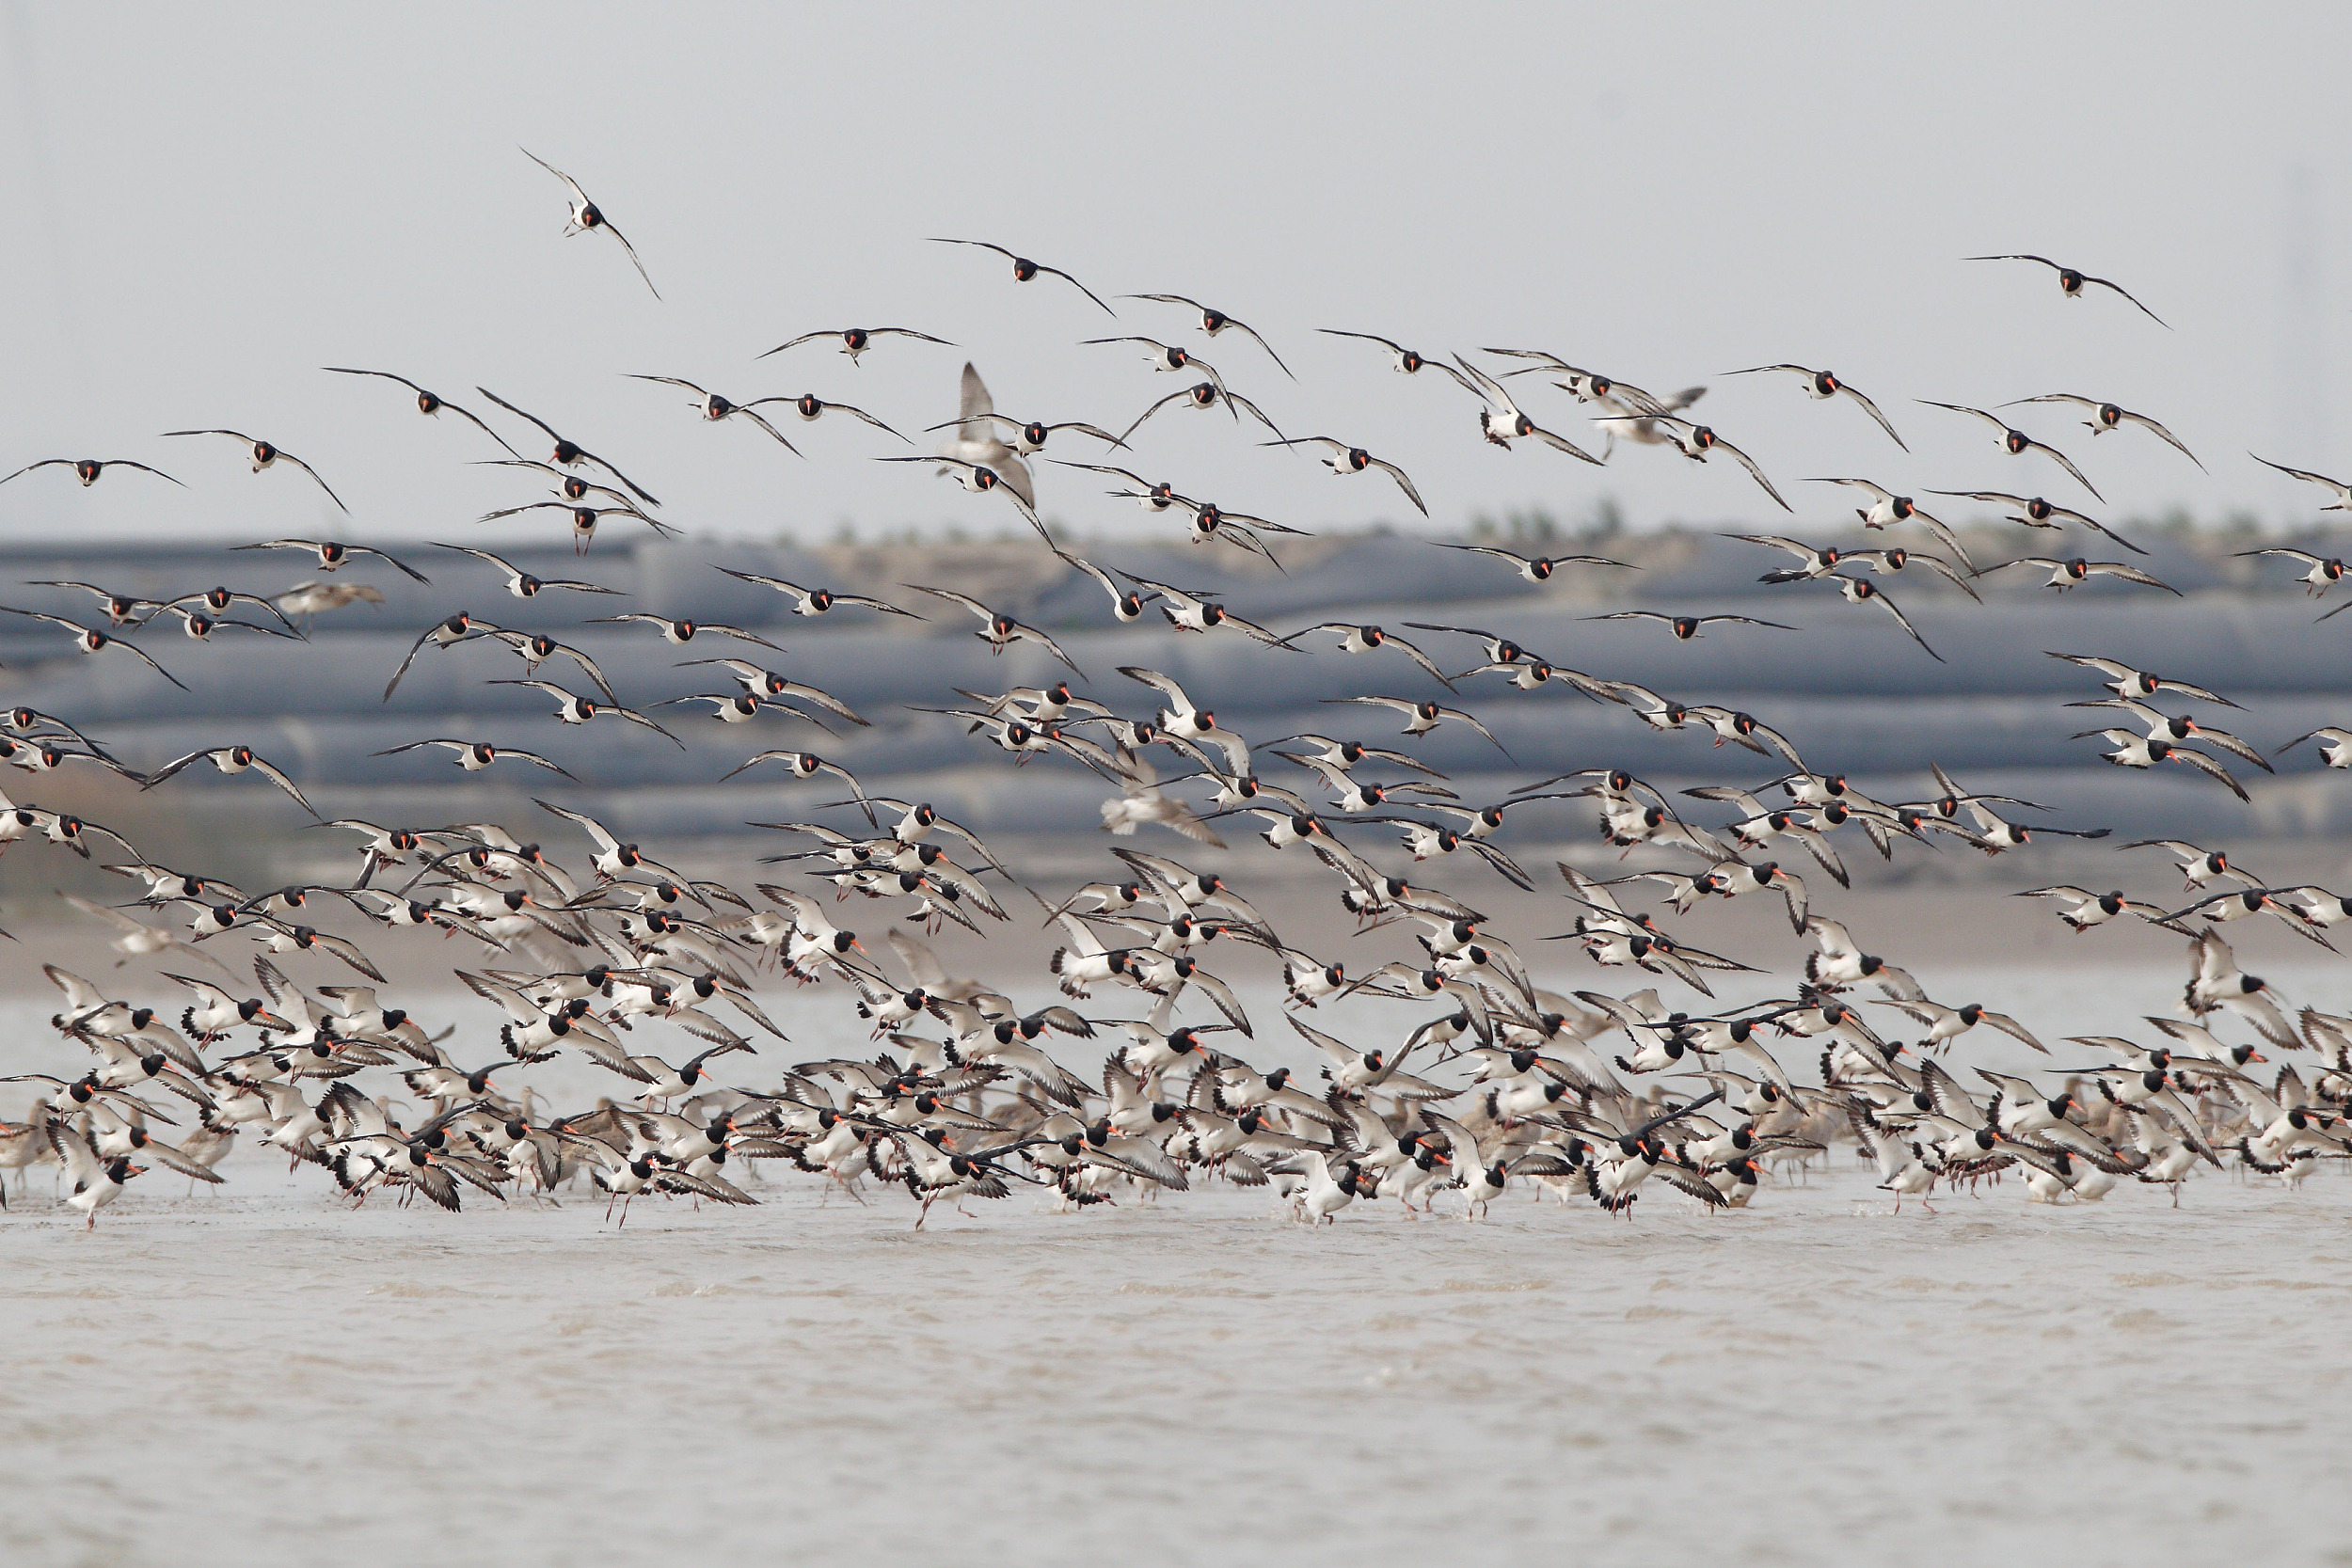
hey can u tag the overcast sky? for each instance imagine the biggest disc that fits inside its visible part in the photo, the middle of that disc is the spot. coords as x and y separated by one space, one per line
207 204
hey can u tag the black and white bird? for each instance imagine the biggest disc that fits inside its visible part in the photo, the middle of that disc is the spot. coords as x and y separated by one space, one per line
568 453
1696 441
2075 571
2072 281
2035 512
1024 269
2017 443
715 407
587 217
1343 459
1823 384
87 469
428 404
1214 321
2323 571
266 456
1003 631
1686 628
1502 422
2106 417
476 755
233 760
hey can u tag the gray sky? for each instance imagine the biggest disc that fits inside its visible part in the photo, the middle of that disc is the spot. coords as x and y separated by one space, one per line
205 208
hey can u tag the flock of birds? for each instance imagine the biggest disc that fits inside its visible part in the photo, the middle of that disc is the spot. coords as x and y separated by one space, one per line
588 945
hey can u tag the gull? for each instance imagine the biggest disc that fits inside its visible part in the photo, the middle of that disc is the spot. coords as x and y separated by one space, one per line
977 445
2106 417
136 939
1003 631
1823 384
714 407
1028 439
2034 512
1140 801
1695 441
429 404
586 217
2072 282
1024 269
266 456
979 478
569 455
87 469
2016 442
1346 459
